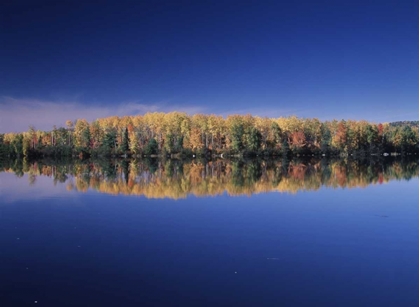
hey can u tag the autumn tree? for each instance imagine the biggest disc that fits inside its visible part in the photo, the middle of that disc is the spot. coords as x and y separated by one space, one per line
297 141
82 135
69 125
340 138
176 132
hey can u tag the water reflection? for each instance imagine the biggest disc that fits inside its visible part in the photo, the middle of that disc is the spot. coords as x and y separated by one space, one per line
177 179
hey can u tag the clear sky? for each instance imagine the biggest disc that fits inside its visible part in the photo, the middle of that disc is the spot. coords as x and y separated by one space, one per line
327 59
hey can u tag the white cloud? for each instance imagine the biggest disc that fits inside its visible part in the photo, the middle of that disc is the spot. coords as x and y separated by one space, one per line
265 112
16 115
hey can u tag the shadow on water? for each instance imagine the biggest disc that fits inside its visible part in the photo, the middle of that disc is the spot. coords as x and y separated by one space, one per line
155 178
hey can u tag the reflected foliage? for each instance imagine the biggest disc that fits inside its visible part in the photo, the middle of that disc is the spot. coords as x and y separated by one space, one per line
175 179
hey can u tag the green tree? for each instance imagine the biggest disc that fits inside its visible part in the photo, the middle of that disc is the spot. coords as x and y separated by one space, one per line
86 138
125 142
275 135
372 136
236 133
151 147
252 139
325 138
17 145
408 139
285 148
109 142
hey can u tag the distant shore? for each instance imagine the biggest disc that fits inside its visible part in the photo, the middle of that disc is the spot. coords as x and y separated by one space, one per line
178 134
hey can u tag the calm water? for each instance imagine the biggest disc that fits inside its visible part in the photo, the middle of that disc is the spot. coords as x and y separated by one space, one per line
317 233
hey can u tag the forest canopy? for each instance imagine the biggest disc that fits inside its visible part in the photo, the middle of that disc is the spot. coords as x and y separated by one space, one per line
178 133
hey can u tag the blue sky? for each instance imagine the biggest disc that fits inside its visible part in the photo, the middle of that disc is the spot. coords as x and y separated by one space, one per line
328 59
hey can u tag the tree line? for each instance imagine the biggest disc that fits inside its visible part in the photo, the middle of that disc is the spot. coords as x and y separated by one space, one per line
154 178
179 133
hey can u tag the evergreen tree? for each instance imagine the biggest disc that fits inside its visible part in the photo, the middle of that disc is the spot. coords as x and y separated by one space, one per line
86 139
151 148
285 148
125 142
325 138
109 142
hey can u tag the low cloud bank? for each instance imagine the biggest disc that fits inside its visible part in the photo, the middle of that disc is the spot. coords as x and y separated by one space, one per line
16 115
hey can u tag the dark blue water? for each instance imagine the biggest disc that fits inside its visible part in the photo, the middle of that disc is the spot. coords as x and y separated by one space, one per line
332 247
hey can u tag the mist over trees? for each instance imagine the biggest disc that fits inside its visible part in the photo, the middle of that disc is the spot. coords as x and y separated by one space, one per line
178 133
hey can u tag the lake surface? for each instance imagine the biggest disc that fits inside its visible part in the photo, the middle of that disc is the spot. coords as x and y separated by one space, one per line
241 233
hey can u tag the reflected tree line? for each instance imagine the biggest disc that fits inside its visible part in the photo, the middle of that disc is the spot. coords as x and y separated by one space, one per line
154 178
